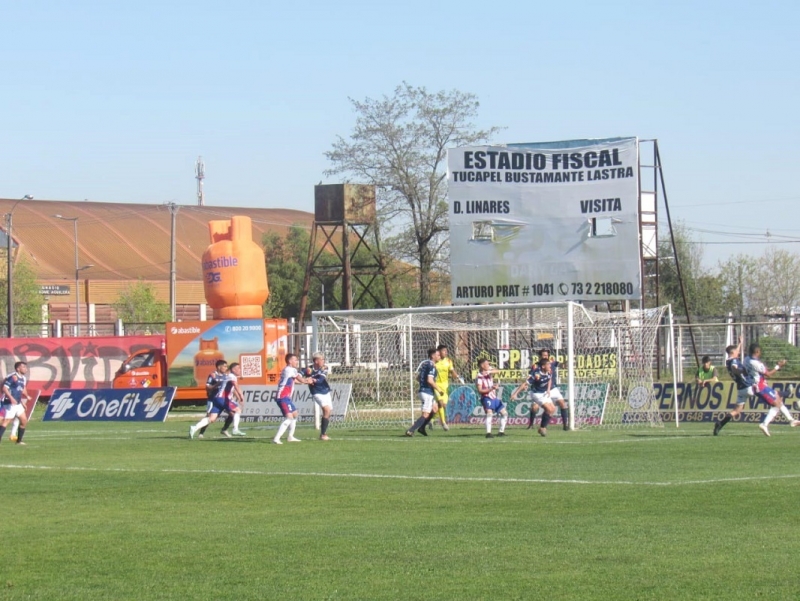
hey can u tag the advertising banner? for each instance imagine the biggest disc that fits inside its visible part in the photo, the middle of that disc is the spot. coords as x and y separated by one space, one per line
111 404
545 221
711 403
259 345
514 363
88 362
260 403
463 406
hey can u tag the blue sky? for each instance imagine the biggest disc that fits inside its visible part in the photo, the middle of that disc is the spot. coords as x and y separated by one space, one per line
114 101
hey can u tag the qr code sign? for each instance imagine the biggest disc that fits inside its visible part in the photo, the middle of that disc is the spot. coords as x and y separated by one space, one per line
251 366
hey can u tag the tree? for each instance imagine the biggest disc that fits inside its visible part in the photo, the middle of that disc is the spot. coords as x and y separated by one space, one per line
399 144
739 275
704 290
28 300
137 303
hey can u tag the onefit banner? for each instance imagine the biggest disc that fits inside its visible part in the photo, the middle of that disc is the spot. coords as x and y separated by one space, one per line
260 403
111 404
545 221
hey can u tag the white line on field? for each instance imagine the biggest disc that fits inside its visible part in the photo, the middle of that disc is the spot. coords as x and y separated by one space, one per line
403 477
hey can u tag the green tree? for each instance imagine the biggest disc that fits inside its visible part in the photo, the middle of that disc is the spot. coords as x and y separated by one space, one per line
137 303
399 144
27 300
705 290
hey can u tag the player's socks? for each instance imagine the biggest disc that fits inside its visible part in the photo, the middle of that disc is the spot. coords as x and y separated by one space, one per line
773 411
284 424
202 423
787 414
489 424
228 422
2 431
443 415
728 417
545 419
203 430
292 426
503 422
235 419
565 418
417 424
20 434
532 418
14 427
323 428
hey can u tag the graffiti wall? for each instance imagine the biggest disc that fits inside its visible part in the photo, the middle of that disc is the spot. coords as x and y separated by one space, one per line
83 363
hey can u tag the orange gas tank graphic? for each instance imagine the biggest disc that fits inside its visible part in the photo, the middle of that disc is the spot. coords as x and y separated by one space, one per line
205 360
234 270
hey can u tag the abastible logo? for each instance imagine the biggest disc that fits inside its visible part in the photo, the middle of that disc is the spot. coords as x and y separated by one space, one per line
220 262
60 405
190 330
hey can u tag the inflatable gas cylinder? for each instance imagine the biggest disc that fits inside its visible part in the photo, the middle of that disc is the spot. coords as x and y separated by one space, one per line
234 270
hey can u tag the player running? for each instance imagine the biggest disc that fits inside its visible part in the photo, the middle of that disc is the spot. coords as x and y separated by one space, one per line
14 390
426 372
758 371
228 398
744 384
321 391
289 376
213 383
491 404
444 369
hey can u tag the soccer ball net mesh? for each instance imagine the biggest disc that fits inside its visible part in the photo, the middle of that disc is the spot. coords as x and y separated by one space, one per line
378 352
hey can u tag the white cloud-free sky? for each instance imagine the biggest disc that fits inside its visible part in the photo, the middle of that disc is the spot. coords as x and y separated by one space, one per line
111 101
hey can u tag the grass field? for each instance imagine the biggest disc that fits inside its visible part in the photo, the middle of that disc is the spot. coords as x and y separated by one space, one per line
138 511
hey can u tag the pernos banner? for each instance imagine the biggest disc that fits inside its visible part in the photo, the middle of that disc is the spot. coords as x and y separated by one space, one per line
545 221
111 404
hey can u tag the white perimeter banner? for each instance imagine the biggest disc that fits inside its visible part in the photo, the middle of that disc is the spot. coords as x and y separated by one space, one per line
260 402
545 221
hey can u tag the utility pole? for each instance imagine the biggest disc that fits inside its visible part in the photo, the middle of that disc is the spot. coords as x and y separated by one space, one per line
173 211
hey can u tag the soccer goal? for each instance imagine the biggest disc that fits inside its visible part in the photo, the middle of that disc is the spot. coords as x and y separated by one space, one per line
606 359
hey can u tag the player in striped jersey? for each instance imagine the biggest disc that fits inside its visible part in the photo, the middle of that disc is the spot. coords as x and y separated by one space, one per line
228 398
289 376
759 372
491 404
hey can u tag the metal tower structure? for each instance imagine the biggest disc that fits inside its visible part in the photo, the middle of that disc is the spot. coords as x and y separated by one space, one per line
200 175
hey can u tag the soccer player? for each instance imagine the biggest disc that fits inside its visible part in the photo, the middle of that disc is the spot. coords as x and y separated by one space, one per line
321 391
758 371
228 398
426 372
491 404
213 383
744 384
528 385
14 390
444 369
555 393
289 376
544 392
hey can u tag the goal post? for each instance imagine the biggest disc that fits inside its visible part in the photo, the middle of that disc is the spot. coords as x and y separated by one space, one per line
606 360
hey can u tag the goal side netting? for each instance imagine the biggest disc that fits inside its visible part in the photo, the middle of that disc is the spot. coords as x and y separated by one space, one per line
606 360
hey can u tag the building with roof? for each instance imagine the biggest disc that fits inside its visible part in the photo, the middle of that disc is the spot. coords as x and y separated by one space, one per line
122 243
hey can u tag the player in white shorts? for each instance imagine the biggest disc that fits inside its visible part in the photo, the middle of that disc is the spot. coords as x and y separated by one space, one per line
321 391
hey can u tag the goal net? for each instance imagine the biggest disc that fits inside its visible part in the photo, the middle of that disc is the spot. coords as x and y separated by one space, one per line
606 360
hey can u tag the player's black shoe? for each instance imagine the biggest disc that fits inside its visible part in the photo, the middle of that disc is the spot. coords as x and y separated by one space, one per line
501 433
489 435
717 428
423 431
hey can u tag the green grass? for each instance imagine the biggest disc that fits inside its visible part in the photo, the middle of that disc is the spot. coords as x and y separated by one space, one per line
138 511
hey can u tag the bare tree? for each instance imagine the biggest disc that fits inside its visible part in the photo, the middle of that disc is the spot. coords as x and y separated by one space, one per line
399 144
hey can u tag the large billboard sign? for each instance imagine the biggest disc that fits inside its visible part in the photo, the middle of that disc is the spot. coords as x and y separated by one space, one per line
545 221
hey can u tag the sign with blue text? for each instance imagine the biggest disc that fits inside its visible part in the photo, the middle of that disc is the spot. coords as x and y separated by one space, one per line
110 404
548 221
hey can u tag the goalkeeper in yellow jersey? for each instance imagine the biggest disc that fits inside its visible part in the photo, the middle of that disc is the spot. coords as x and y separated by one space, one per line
444 367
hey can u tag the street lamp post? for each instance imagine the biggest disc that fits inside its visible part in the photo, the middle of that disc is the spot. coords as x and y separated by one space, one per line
78 270
10 272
